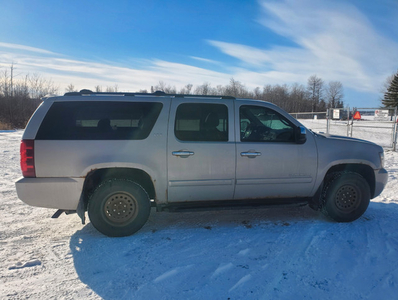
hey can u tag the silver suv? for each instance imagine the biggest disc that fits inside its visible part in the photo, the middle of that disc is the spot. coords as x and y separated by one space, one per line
117 154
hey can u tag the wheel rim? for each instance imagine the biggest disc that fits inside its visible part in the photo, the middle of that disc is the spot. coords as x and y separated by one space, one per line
347 198
120 208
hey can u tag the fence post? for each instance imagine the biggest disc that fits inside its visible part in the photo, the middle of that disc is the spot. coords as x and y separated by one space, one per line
328 120
348 121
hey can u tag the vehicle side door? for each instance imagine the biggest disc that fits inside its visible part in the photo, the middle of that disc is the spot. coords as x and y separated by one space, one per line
270 161
201 150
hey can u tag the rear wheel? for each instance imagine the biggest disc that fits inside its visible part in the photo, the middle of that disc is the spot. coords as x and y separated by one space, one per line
119 207
347 197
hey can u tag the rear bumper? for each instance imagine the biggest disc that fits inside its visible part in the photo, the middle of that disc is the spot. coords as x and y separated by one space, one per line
381 177
58 193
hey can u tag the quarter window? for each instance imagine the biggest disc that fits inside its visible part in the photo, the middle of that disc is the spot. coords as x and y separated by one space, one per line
99 120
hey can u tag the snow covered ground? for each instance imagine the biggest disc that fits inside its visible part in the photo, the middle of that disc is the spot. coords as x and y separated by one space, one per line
267 253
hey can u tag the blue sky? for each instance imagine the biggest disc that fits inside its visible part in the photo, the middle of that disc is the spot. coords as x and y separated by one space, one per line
136 44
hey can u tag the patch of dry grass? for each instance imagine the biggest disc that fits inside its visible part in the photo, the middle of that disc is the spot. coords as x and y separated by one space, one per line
5 126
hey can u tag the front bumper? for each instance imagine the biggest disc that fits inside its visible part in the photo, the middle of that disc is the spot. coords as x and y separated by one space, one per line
58 193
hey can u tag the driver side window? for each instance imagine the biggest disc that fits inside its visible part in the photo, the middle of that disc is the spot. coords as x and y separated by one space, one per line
261 124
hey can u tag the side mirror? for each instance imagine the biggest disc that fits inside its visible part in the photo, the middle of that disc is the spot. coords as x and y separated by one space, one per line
301 135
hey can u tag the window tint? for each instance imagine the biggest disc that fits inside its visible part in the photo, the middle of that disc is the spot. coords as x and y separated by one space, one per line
89 120
261 124
201 122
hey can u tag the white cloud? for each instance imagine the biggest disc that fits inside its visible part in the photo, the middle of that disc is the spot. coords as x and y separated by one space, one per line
24 48
206 60
334 40
247 54
86 74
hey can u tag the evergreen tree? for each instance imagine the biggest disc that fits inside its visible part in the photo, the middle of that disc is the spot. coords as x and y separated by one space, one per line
391 95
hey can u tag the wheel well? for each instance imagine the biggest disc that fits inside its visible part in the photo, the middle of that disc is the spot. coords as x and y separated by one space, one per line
95 177
364 170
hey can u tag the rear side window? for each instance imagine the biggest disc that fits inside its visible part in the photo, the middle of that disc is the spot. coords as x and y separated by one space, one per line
99 120
201 122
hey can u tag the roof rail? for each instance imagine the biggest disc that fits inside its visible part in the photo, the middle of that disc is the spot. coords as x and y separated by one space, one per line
86 92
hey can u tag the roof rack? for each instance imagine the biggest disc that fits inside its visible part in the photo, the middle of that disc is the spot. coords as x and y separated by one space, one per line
86 92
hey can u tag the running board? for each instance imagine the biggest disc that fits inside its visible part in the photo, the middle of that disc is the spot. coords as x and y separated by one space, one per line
229 205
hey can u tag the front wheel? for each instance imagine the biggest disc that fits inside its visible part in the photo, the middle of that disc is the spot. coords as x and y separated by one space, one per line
119 207
347 197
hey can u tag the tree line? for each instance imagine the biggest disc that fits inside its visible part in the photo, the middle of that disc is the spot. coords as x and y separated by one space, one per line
20 97
315 97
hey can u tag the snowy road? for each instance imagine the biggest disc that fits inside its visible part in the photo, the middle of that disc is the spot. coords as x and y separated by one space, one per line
267 253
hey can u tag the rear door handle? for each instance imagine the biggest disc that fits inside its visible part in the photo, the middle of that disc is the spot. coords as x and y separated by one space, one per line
182 153
250 154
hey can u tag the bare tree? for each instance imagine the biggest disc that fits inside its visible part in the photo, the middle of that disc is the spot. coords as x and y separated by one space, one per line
204 89
163 87
236 89
5 83
257 93
267 93
186 89
299 99
335 94
112 89
70 88
219 90
39 87
20 97
315 90
277 94
11 79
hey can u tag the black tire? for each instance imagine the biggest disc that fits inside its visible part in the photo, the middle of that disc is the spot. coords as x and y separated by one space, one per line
347 196
119 207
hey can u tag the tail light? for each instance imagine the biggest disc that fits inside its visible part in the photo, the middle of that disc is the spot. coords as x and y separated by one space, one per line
28 158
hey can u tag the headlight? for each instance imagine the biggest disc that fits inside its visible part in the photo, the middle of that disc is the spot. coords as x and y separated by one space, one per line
381 159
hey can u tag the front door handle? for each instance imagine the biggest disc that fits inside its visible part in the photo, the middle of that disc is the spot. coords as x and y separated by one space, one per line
250 154
182 153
